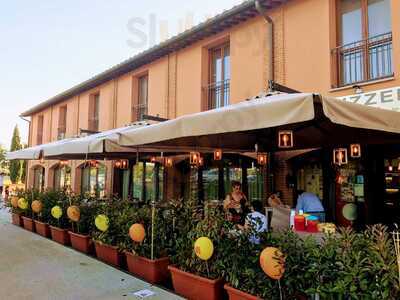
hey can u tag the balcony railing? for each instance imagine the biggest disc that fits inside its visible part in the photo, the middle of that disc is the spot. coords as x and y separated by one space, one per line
139 111
361 61
218 94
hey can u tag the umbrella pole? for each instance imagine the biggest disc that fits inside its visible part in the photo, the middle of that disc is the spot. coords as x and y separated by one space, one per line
396 240
153 211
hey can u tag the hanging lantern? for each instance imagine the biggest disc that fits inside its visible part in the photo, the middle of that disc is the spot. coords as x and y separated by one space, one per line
262 159
153 159
94 163
355 150
285 139
217 154
168 162
63 163
390 167
124 164
194 158
340 156
201 161
117 164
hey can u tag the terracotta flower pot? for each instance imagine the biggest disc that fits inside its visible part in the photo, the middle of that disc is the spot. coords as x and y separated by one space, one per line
82 243
152 271
59 235
28 224
195 287
42 228
235 294
108 254
16 219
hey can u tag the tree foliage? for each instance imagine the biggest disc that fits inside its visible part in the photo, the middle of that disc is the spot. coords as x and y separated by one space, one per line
3 161
15 165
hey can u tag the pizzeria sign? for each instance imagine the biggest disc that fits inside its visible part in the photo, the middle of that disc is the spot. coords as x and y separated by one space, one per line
387 98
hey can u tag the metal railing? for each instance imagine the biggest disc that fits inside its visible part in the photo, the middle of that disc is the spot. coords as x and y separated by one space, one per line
218 94
364 60
139 111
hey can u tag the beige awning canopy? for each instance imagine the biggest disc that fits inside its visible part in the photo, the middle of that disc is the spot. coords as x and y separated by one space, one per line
100 145
316 121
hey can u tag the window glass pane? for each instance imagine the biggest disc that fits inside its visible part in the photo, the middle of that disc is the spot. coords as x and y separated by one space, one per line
232 174
161 183
101 181
67 180
85 180
255 184
143 96
149 182
227 63
138 180
379 18
216 66
93 180
351 21
125 184
210 184
57 178
38 179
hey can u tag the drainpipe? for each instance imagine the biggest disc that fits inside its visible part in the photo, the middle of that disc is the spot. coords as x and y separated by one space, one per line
270 41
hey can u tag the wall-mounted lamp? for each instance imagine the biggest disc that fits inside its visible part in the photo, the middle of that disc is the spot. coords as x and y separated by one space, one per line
262 159
201 161
355 150
194 158
340 156
217 154
63 163
168 162
285 139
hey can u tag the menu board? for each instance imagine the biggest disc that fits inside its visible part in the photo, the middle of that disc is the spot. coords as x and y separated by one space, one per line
351 184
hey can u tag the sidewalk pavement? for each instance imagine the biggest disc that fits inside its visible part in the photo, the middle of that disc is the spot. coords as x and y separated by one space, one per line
32 267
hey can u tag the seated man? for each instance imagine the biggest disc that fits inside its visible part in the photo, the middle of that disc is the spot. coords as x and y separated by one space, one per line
309 202
256 221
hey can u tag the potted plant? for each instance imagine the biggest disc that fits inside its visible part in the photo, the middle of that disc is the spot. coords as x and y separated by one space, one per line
109 231
58 222
191 277
16 212
48 200
147 250
355 265
81 213
24 203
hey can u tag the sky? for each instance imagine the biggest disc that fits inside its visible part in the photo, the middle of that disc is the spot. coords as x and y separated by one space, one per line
48 46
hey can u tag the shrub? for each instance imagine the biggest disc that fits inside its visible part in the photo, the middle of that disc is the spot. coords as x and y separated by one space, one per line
143 216
213 226
88 207
120 213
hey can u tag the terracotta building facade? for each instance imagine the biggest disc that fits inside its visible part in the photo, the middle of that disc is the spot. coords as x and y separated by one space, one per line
341 48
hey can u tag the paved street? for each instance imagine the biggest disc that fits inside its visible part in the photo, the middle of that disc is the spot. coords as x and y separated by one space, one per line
32 267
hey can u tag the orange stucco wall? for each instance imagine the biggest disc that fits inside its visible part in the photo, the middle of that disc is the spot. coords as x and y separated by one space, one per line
303 35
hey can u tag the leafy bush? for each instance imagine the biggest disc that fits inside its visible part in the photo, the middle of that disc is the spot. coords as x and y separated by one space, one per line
88 207
120 213
347 265
143 216
50 199
213 226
